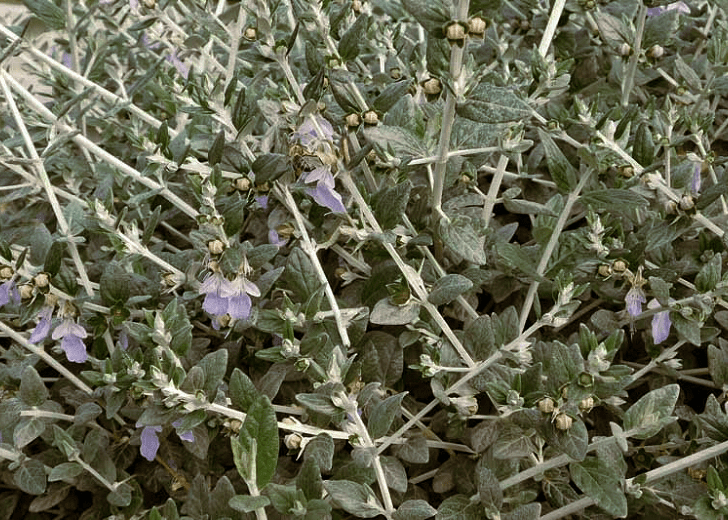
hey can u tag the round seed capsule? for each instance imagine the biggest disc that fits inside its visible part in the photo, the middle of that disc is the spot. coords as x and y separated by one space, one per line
546 405
563 422
432 86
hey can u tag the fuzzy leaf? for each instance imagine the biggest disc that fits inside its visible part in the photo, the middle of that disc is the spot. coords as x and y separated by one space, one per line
414 510
383 414
460 238
33 391
601 483
493 104
449 287
247 503
357 499
562 172
652 412
242 390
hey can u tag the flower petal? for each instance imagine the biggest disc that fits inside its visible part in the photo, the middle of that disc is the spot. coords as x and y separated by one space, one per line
74 348
325 196
239 307
8 292
661 326
211 284
150 442
275 239
62 330
215 305
40 332
634 300
250 288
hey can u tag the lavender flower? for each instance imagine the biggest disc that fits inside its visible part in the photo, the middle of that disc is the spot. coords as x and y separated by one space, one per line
324 193
634 300
696 180
224 296
681 7
187 436
183 69
275 239
9 292
313 129
40 332
237 292
71 335
660 323
150 441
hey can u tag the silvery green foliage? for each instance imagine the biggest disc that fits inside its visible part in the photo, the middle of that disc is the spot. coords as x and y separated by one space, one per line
365 258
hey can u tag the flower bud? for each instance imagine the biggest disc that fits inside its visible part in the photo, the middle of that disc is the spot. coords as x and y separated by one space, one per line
216 247
586 404
546 405
235 425
524 25
466 406
26 291
356 6
619 266
292 441
563 422
150 4
656 52
243 184
395 73
455 33
6 272
371 118
625 49
626 171
432 86
41 280
605 270
476 26
686 202
353 120
250 33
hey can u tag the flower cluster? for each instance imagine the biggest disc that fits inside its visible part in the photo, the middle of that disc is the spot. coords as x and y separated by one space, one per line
68 331
150 440
231 297
315 135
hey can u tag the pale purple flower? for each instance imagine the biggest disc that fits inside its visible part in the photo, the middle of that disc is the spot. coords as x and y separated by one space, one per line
237 292
187 436
40 332
324 193
134 4
314 128
150 441
214 303
9 292
681 7
224 296
71 335
634 300
262 201
123 340
182 69
660 323
275 239
696 180
327 197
